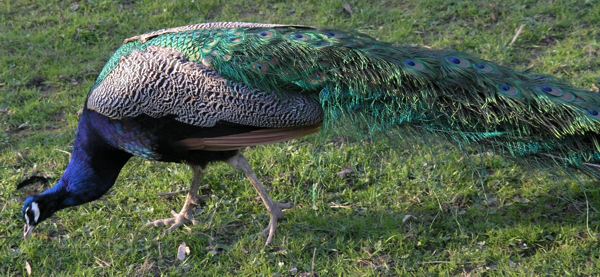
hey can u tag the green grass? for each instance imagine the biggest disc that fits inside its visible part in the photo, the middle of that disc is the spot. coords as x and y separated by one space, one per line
484 215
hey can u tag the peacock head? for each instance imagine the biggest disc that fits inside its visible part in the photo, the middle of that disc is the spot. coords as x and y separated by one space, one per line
36 209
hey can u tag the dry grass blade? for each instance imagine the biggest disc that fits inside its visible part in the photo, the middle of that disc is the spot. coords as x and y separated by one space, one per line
28 268
517 34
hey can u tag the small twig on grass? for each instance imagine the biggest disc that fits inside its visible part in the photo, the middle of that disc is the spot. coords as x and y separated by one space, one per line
517 34
587 207
312 264
102 263
339 206
172 193
443 262
28 268
587 216
435 262
63 151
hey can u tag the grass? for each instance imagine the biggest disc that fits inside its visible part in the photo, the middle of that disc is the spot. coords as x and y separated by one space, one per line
515 220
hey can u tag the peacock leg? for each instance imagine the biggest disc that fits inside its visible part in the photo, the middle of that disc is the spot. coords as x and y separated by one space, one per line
191 201
274 208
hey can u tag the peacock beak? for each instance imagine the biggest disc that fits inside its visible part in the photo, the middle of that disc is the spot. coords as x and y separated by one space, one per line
27 230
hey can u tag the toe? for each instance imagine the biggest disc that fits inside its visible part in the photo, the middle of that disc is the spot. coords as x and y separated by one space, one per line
174 226
286 205
272 227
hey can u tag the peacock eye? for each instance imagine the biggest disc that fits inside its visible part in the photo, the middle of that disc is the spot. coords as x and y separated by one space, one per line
26 216
29 216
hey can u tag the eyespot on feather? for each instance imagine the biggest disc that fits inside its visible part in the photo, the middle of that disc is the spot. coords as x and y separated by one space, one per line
333 34
261 67
460 62
235 38
568 97
594 113
300 37
413 64
483 68
265 34
552 91
508 90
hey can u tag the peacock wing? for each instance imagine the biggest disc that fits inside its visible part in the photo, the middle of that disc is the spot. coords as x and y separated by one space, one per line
160 82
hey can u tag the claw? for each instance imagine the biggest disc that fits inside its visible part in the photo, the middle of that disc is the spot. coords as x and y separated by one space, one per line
174 222
275 215
284 206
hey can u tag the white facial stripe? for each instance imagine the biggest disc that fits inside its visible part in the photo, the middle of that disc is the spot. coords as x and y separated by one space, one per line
36 211
26 217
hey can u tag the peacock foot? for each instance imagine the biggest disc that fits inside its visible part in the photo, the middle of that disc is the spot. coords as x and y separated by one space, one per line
191 201
178 220
185 216
276 213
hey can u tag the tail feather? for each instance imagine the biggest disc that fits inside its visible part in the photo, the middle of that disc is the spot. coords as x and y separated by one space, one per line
452 94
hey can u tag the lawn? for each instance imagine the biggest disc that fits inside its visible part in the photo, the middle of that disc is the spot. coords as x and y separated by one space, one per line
361 208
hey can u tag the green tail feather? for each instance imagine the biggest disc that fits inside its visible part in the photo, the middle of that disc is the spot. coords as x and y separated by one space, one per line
469 100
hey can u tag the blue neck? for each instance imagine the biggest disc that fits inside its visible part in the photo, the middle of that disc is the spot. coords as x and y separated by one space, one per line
94 165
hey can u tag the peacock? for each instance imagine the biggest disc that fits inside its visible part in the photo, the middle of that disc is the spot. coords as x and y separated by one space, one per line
201 93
